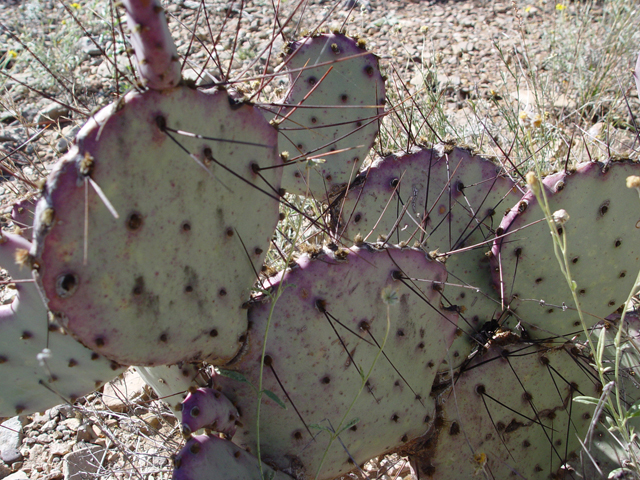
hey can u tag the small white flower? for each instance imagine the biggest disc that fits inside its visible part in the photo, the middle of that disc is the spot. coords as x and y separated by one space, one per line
560 217
633 181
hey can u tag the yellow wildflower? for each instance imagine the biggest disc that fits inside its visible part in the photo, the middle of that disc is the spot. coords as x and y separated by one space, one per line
560 7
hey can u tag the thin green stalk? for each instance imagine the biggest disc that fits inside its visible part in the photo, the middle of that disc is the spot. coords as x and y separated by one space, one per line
274 299
560 251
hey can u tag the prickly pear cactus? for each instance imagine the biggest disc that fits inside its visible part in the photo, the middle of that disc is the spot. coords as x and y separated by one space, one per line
443 199
171 382
34 379
165 280
156 55
207 457
325 334
210 409
332 107
22 217
510 413
602 237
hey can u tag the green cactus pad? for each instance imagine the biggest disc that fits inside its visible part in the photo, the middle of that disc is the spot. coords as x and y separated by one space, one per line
603 241
464 197
323 114
166 281
507 415
213 458
67 373
326 329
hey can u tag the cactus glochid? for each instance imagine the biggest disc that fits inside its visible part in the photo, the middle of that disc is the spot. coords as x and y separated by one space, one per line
431 323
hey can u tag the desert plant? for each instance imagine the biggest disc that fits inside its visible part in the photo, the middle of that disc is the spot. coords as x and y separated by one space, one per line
444 334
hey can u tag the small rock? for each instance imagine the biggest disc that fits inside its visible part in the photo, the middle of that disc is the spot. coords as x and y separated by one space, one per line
5 470
54 475
40 418
50 425
84 434
19 475
120 393
10 440
87 46
102 442
43 438
152 422
71 423
59 449
67 135
51 112
97 433
83 463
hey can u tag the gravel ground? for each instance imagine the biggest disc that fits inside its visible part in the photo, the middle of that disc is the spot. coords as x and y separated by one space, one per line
467 45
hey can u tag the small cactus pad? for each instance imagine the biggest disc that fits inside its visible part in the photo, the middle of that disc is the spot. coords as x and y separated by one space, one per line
155 53
603 241
328 108
164 282
206 457
210 409
22 217
68 371
171 382
510 414
326 330
462 196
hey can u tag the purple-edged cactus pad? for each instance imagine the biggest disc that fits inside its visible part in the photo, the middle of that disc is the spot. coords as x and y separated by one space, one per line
206 457
165 281
444 200
210 409
511 414
30 384
326 329
328 108
155 53
603 248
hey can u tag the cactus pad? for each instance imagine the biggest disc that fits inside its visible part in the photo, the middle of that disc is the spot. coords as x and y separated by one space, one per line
171 382
155 53
462 196
508 415
164 282
210 409
326 329
603 249
213 458
69 372
328 108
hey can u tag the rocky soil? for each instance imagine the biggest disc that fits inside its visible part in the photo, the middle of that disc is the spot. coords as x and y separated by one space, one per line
466 47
